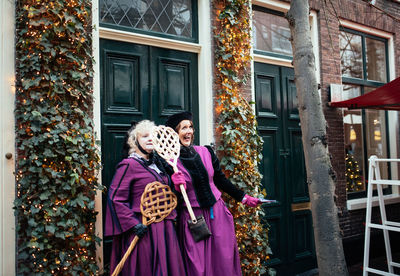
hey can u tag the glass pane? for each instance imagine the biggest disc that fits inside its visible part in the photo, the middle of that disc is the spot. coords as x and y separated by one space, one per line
168 16
353 140
271 33
351 55
376 60
376 135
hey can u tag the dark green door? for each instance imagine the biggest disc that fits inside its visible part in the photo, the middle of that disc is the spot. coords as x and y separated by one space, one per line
283 168
140 82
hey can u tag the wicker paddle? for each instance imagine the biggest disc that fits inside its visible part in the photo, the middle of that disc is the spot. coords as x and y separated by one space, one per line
166 143
156 203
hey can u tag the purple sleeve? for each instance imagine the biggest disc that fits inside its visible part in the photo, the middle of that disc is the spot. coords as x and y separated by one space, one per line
120 216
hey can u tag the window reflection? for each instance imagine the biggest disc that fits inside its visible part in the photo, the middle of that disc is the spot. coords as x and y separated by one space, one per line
376 60
271 33
354 145
375 135
351 55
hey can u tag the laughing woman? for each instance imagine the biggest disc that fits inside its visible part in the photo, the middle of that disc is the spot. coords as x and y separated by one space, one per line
157 252
201 175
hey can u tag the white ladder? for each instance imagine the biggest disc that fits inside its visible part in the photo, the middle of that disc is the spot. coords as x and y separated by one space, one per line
374 178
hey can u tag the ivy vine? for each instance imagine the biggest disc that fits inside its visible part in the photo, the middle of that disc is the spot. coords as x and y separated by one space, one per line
240 145
57 158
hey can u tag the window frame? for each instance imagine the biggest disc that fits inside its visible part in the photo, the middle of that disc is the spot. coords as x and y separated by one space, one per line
195 27
362 83
256 7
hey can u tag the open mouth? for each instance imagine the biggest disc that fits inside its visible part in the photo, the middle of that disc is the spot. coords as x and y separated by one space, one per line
187 138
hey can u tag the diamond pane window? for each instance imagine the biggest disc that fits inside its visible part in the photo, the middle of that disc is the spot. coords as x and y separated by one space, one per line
168 17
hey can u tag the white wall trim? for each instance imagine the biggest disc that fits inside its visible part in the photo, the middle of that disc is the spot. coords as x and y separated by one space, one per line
97 125
273 5
7 138
205 74
365 29
131 37
272 60
361 203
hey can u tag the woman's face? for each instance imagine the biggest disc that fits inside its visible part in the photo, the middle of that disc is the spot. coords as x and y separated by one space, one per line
145 141
185 132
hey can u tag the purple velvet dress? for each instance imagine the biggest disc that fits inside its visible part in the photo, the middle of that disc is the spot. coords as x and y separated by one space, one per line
157 252
218 254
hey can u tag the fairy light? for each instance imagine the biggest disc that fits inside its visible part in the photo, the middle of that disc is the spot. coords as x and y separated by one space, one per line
232 39
46 97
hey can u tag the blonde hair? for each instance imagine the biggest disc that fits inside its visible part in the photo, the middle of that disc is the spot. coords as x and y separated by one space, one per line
141 128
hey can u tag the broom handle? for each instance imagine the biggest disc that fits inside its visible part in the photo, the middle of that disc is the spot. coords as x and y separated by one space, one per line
185 198
119 267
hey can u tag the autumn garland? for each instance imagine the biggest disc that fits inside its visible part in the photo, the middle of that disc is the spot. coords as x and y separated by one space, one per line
57 156
240 146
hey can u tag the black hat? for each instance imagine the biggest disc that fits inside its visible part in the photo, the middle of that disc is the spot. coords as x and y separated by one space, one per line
174 120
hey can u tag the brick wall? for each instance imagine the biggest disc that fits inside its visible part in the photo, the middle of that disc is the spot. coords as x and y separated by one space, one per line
351 222
358 11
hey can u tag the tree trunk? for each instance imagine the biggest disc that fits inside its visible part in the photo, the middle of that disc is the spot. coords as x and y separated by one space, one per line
328 241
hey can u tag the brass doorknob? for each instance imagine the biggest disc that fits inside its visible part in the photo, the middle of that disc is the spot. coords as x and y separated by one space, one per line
8 155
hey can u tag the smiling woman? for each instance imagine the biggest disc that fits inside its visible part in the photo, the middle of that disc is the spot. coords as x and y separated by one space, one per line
123 216
201 175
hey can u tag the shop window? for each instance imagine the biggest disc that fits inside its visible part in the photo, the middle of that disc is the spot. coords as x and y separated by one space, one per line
271 33
364 68
167 18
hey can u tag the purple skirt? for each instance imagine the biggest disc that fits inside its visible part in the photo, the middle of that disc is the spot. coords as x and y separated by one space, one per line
157 253
216 255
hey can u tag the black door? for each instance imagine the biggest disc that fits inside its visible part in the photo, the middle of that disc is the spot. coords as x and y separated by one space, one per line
140 82
283 169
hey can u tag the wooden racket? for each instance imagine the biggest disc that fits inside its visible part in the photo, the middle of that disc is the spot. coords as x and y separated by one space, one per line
166 143
156 203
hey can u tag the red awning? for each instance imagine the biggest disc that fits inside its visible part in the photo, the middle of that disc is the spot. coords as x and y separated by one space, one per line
385 97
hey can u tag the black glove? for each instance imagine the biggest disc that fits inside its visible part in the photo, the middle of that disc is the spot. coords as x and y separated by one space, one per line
140 229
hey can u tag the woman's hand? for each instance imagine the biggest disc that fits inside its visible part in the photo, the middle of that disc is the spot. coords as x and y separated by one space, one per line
140 229
251 201
178 179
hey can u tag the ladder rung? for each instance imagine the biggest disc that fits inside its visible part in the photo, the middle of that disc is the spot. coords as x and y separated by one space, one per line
394 264
385 182
383 227
380 272
392 223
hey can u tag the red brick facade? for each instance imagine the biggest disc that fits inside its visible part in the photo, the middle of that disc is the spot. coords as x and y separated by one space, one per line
360 12
380 17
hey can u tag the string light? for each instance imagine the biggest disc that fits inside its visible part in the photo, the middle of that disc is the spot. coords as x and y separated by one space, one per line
52 210
237 123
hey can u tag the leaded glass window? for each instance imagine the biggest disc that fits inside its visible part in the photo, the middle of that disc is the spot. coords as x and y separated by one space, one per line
166 17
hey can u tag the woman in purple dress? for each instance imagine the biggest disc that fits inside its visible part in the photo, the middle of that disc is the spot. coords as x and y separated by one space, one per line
157 251
200 173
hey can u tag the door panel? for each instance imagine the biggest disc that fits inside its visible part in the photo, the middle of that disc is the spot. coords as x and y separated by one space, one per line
268 169
122 84
283 169
303 242
140 82
297 165
172 73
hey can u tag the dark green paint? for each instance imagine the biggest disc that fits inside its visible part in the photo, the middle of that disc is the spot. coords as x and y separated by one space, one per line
283 169
140 82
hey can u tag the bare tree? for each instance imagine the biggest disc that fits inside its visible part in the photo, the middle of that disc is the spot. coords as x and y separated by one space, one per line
328 240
